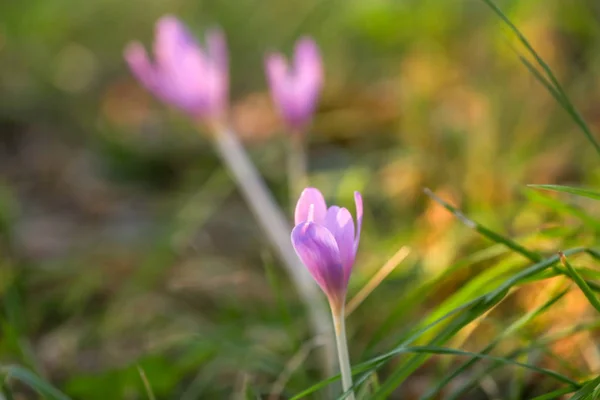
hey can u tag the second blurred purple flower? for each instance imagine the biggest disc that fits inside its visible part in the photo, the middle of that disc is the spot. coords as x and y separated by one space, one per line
295 88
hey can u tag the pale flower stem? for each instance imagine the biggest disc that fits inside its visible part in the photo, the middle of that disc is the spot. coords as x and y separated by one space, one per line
342 348
274 224
296 166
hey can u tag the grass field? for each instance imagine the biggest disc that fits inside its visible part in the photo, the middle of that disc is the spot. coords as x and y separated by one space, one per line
132 268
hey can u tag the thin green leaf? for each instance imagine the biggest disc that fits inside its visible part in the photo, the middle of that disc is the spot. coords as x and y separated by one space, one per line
422 292
511 244
456 352
540 344
146 383
558 90
562 208
556 394
488 300
5 391
579 281
514 327
472 309
568 189
587 391
33 381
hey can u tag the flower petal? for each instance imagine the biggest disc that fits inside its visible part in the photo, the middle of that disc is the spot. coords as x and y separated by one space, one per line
310 196
317 249
217 49
358 201
217 76
340 223
308 68
308 65
277 72
171 40
139 63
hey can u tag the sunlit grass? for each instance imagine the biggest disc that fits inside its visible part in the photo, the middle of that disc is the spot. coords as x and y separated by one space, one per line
498 295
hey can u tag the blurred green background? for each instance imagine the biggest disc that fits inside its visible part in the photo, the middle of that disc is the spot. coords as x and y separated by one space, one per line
125 243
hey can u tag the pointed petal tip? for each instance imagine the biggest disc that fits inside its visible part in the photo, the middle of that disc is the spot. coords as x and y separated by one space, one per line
358 202
276 69
168 20
136 57
308 51
310 196
215 32
307 43
310 189
133 51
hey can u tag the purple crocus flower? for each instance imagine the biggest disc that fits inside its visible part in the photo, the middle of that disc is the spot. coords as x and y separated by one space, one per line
295 89
184 74
326 242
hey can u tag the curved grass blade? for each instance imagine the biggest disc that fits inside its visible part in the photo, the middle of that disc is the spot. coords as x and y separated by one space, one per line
473 309
514 327
463 389
377 362
423 291
587 391
556 394
579 281
511 244
486 301
477 303
559 94
5 391
455 352
568 189
146 382
562 208
33 381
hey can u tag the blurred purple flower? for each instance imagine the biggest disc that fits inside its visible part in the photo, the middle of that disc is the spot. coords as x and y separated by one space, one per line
184 74
326 242
295 89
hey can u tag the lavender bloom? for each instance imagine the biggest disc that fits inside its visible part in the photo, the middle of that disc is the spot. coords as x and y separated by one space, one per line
326 242
295 89
184 74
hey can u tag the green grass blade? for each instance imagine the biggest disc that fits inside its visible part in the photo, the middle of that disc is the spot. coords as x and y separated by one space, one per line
5 391
511 244
568 189
587 391
462 316
427 289
579 281
146 382
556 394
562 208
525 42
514 327
540 344
565 103
408 367
537 75
33 381
455 352
485 302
